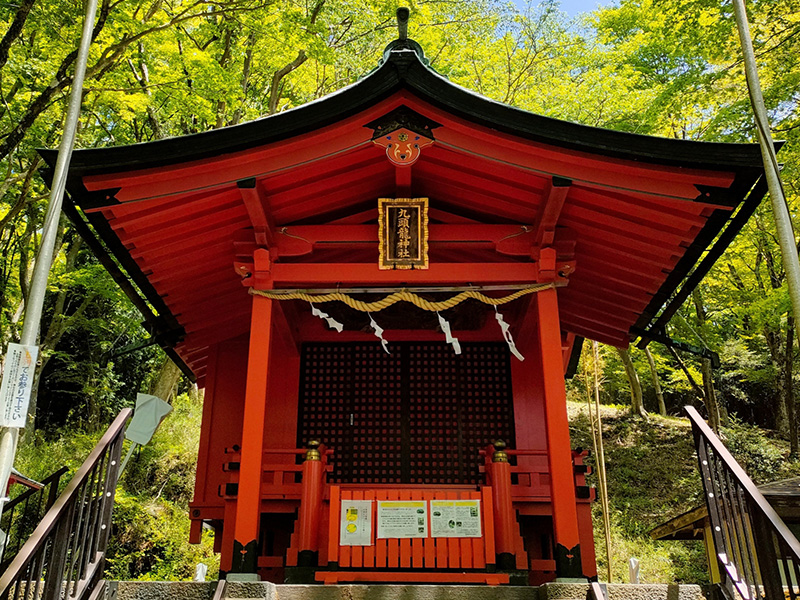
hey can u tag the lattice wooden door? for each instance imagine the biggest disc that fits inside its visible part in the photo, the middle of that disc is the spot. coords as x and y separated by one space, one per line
419 415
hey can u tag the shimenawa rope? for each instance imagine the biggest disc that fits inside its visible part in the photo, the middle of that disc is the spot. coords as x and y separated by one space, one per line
401 296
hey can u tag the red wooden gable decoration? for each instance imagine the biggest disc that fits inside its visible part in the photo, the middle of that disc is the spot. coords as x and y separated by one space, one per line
628 215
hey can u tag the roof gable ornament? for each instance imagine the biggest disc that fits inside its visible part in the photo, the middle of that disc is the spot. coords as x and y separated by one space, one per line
404 133
403 42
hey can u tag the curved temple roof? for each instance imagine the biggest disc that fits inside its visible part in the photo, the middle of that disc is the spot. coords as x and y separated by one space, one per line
634 213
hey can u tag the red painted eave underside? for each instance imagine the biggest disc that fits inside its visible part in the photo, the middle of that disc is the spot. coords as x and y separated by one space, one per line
631 222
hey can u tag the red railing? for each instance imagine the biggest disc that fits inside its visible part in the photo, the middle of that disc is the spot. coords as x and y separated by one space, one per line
63 558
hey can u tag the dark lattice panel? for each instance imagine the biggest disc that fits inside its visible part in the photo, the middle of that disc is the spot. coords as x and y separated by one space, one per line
487 399
326 391
419 415
377 402
433 386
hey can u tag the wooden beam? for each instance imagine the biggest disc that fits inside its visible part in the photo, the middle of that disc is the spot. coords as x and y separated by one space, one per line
554 196
255 201
402 181
291 274
449 217
301 240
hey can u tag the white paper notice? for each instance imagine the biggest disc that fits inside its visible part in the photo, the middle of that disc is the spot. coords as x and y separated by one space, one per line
455 518
356 523
402 519
15 391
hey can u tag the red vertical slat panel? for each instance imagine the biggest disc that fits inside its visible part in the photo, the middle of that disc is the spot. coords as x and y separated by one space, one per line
344 551
466 543
453 546
441 543
393 555
405 543
381 547
333 525
430 542
369 551
488 525
478 559
357 552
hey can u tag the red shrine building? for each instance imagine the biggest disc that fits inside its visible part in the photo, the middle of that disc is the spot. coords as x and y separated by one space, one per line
381 292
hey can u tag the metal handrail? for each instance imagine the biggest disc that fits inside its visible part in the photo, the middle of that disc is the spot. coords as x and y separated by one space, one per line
64 556
759 555
33 503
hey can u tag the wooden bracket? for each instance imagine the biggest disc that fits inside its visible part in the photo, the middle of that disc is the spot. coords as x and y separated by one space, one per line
262 269
256 201
555 194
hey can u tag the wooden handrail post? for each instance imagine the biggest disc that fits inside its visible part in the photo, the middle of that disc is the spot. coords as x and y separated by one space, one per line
504 522
310 507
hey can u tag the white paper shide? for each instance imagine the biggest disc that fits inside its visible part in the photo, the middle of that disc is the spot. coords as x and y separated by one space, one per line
15 391
356 523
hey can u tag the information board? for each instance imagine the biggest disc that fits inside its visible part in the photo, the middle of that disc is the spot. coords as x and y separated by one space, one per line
356 523
455 518
402 519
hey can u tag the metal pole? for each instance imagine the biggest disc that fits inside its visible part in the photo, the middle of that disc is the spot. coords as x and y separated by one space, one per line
780 209
41 270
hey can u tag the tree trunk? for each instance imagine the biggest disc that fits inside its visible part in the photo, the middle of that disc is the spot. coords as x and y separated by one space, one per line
710 395
776 344
662 408
167 379
15 29
637 405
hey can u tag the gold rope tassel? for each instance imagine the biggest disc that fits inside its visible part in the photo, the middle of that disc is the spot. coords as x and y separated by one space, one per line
401 296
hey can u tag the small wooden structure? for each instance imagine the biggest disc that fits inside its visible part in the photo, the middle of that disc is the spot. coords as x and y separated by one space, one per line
592 231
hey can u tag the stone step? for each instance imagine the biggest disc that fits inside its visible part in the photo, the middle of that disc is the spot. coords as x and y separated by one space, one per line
240 590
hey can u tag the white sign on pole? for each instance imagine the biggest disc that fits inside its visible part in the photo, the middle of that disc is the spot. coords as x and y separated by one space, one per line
455 518
402 519
356 523
15 391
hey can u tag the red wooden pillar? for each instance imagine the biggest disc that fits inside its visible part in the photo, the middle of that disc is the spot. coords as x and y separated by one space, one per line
559 454
310 507
248 506
505 521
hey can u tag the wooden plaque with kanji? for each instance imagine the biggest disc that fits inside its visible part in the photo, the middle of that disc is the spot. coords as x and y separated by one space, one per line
403 233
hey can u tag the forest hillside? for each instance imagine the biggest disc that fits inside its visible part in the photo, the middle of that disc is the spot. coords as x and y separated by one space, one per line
652 476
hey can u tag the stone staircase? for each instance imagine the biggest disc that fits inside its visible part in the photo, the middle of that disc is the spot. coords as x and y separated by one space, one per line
149 590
